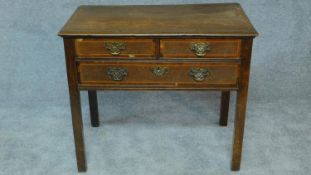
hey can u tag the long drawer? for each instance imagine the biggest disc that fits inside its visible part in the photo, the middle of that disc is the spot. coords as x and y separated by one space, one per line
157 74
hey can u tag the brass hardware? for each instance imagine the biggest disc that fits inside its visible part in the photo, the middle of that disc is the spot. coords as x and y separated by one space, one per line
117 73
115 47
200 49
199 74
159 71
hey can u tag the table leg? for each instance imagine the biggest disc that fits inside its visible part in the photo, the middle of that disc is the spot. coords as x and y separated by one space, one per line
224 108
241 103
93 108
75 104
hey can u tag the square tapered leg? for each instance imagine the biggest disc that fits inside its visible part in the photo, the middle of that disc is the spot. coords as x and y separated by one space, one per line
75 104
241 104
224 108
93 108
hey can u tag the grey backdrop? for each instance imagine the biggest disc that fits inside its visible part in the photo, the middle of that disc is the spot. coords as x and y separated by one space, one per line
153 132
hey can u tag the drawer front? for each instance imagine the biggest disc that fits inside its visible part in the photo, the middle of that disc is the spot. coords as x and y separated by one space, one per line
200 48
115 48
177 75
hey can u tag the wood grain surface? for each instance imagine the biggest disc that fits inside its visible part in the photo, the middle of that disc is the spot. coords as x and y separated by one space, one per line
225 19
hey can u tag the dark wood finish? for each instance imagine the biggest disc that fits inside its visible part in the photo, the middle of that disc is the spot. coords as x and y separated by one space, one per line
160 20
135 48
157 47
155 36
75 104
93 108
221 74
241 104
224 108
220 48
153 88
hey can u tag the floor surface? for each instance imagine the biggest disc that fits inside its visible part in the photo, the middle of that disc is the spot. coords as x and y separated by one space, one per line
152 133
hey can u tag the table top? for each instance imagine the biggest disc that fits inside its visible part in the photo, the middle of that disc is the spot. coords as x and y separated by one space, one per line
223 19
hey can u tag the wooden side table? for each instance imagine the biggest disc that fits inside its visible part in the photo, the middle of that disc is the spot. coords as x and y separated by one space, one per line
161 47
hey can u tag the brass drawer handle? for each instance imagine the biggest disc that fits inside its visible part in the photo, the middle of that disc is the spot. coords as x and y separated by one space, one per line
117 73
199 74
159 71
200 49
115 47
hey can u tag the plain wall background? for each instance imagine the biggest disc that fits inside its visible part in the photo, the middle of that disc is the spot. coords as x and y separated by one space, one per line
35 127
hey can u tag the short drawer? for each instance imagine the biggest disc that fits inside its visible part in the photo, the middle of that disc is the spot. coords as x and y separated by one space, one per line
200 48
177 75
115 48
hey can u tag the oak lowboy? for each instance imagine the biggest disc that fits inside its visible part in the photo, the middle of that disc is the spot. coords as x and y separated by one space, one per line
162 47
